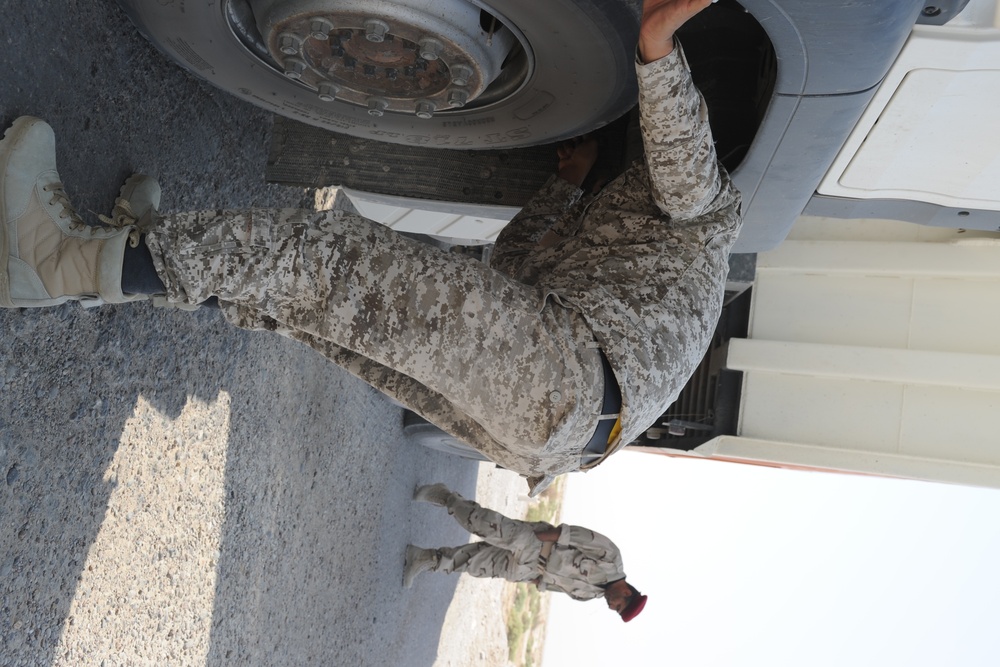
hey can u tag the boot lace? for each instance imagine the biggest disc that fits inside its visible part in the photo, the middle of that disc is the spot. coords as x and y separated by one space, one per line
67 211
123 216
76 223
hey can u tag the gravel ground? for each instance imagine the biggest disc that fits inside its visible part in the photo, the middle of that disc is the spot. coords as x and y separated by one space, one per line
176 491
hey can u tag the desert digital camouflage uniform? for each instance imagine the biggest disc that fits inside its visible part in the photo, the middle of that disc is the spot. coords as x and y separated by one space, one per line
502 357
581 563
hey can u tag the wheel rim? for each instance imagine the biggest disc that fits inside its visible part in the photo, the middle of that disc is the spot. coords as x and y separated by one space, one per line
408 57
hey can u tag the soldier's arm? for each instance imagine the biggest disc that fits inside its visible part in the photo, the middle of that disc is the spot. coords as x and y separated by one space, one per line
592 544
680 152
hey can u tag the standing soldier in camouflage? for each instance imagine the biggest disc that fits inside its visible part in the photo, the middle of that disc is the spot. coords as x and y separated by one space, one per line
593 315
569 559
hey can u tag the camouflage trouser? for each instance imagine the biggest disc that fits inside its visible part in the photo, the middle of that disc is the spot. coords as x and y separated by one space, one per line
479 354
509 549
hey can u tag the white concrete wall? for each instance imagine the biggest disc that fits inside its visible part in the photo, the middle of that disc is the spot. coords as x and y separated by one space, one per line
874 347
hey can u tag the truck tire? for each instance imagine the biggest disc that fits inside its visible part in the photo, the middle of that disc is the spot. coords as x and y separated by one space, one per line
428 435
574 71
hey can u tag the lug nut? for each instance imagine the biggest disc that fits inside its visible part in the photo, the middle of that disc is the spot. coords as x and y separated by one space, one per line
375 30
377 106
328 91
457 98
288 44
429 49
460 75
425 109
294 67
320 28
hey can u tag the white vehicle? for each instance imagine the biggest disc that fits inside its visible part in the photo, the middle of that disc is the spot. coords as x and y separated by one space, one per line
868 342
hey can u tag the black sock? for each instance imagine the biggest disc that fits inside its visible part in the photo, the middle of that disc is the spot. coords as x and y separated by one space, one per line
138 273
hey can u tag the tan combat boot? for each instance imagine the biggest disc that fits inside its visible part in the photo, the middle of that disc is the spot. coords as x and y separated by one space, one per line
138 201
435 494
417 560
48 255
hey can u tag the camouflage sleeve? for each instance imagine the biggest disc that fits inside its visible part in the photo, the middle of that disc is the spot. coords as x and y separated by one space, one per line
545 206
594 545
521 235
680 152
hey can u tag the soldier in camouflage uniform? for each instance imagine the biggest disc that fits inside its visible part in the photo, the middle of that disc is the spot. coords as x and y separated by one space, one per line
508 357
569 559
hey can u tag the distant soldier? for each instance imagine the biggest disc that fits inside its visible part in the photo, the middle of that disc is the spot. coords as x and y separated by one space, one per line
569 559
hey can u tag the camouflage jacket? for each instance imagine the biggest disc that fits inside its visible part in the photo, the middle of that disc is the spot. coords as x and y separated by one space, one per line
581 564
646 259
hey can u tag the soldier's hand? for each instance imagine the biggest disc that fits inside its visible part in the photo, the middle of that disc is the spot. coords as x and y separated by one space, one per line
660 20
550 534
576 157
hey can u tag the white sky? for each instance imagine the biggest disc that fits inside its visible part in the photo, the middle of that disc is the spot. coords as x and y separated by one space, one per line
750 566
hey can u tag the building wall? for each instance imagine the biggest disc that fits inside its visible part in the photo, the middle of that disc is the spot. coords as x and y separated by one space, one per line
874 347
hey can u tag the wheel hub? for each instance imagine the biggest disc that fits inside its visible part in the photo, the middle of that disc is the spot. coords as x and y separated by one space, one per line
408 56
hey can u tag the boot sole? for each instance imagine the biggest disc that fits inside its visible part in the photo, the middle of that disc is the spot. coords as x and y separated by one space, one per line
406 566
10 137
